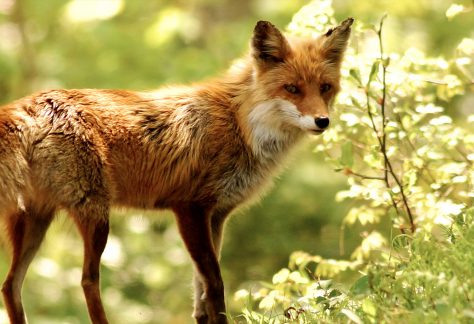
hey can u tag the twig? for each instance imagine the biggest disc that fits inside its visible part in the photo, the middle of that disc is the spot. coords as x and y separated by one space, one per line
381 136
463 155
384 96
363 176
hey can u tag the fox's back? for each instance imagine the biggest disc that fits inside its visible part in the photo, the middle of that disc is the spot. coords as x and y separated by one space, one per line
148 150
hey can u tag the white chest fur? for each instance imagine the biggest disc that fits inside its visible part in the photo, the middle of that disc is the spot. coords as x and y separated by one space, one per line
274 126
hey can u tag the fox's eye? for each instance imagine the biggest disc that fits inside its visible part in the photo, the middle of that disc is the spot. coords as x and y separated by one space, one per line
291 88
325 87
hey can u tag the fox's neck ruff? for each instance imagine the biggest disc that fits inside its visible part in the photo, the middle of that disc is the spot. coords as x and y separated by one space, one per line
268 135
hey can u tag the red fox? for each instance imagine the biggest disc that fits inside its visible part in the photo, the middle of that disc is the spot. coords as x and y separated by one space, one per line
200 150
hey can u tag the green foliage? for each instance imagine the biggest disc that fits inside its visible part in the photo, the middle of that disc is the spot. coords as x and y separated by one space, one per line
422 277
407 155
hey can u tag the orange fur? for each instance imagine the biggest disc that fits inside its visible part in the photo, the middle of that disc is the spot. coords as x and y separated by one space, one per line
199 150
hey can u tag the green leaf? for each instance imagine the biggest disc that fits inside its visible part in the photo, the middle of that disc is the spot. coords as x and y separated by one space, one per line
347 155
351 315
281 276
334 293
373 72
320 300
325 284
356 75
361 286
444 311
369 307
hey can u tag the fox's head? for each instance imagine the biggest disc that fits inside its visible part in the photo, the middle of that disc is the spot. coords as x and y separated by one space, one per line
296 79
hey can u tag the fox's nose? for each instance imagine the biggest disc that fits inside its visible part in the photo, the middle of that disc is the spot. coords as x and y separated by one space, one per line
322 122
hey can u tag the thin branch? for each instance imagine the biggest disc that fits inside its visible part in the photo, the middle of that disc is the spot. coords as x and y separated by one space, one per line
381 136
388 164
446 84
463 155
363 176
384 95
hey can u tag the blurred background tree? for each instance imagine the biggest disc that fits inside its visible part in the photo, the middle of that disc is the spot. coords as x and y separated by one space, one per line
144 44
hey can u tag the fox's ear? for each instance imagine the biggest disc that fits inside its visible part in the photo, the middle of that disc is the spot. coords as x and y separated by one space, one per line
269 46
335 41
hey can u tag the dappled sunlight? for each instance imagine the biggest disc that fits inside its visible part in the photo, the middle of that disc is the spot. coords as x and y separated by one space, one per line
266 7
10 37
6 6
113 255
80 11
171 22
46 267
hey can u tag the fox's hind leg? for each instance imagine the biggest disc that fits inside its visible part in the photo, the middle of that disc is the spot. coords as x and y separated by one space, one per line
92 220
26 230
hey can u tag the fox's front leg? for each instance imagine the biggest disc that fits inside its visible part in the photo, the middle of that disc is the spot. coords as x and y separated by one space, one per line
194 223
218 218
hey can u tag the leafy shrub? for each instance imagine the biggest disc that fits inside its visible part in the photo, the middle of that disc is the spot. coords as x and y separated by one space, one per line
421 278
407 155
